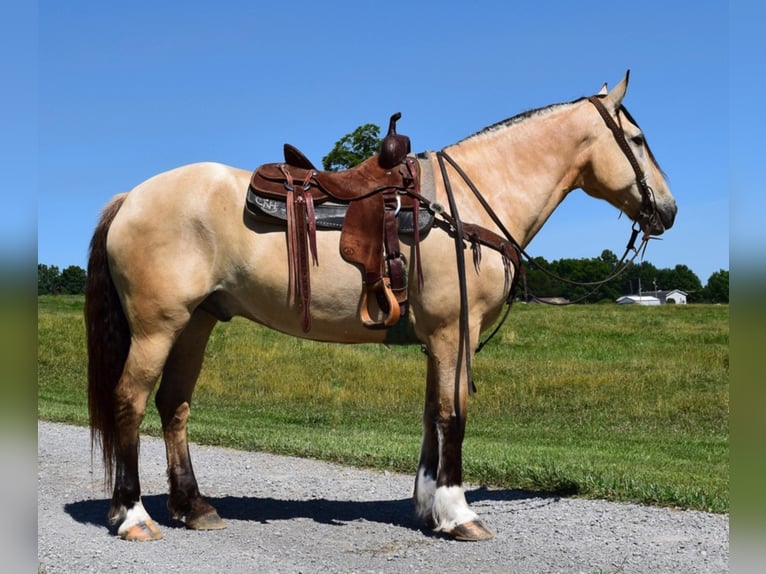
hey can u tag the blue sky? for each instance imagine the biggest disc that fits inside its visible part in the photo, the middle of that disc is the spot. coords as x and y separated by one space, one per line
130 89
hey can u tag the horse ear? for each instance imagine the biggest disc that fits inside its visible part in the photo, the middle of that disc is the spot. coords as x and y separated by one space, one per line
615 96
602 91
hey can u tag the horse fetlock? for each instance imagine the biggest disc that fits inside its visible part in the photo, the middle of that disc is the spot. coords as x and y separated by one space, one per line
117 513
180 501
445 509
450 509
423 497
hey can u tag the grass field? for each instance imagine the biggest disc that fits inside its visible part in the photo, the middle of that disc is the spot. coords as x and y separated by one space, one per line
618 402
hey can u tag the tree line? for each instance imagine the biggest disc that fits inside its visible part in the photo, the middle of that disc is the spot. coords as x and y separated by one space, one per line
51 281
637 277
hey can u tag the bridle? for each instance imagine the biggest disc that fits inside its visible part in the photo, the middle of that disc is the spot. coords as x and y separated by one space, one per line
648 213
648 204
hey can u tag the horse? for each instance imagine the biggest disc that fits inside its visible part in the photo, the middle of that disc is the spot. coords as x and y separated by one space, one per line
179 253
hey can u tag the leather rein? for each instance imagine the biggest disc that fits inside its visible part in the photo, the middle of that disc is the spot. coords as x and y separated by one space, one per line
648 209
513 249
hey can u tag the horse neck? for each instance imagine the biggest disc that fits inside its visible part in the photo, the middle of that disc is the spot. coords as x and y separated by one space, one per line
523 167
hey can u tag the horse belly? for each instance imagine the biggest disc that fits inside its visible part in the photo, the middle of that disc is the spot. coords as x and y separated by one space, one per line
336 291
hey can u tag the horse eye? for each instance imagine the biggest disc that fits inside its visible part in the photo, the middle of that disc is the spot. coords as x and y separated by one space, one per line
638 140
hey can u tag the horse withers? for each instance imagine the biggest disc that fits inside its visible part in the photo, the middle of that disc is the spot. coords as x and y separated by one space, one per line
179 253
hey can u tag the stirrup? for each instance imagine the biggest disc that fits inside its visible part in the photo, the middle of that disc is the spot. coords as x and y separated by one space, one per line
394 312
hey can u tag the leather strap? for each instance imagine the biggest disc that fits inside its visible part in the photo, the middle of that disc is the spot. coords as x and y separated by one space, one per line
388 289
648 207
464 342
301 236
413 169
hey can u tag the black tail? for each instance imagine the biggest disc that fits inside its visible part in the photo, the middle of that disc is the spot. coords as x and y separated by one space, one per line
108 339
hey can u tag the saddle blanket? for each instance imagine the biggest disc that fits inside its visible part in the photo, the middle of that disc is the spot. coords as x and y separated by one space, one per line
330 215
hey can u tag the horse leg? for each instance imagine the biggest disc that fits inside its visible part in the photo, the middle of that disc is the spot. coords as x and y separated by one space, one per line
439 497
145 360
173 401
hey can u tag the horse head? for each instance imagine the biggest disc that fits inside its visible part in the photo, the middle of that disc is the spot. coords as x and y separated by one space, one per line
621 168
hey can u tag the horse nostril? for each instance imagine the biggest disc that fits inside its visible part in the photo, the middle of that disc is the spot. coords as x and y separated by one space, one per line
668 215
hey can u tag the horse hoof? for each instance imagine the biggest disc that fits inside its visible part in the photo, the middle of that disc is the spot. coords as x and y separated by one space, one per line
473 531
207 521
144 531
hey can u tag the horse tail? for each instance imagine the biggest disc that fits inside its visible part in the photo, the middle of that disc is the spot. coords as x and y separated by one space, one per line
108 341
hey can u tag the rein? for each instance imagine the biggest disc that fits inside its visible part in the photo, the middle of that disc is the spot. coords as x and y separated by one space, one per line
620 266
648 210
513 249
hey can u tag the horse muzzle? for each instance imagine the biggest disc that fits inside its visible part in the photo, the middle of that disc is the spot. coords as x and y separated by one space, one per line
667 213
658 219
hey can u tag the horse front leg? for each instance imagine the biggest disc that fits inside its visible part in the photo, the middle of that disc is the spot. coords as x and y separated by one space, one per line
173 401
439 497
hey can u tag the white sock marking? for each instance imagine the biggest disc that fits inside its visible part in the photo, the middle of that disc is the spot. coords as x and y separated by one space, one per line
134 516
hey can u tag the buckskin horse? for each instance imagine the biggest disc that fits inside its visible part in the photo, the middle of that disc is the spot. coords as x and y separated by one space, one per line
181 251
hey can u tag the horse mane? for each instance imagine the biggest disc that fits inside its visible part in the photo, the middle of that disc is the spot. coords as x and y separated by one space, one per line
538 112
519 118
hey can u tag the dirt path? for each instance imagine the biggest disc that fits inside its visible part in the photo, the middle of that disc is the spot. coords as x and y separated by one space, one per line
294 515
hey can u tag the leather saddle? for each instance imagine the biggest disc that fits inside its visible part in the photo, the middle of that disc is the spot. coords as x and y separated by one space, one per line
370 203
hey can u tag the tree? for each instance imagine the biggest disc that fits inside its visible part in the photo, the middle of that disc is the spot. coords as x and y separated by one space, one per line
352 149
73 280
638 276
608 257
683 278
717 288
48 279
538 284
51 281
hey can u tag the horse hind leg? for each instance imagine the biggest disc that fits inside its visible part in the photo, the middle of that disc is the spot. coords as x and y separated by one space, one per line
144 363
173 402
439 496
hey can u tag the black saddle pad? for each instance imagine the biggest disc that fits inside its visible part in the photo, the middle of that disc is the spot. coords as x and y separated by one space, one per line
330 215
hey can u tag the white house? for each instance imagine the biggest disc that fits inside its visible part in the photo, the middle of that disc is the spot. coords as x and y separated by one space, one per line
638 300
673 296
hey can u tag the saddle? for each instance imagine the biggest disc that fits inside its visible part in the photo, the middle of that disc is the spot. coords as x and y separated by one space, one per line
367 203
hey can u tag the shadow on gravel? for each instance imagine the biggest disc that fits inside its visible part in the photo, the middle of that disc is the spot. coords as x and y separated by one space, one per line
336 512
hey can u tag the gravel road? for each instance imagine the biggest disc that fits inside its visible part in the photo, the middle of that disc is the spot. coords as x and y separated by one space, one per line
294 515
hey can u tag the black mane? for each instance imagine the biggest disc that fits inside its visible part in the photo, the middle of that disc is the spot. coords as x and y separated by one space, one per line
518 118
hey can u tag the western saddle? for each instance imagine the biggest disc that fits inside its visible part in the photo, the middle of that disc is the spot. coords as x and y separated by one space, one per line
370 203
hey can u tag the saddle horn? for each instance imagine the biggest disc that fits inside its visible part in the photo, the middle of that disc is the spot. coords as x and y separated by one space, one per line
394 147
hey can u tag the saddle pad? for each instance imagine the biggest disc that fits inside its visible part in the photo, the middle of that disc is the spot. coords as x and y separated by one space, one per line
330 215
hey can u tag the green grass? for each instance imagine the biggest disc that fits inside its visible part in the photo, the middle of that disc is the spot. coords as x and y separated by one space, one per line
621 403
